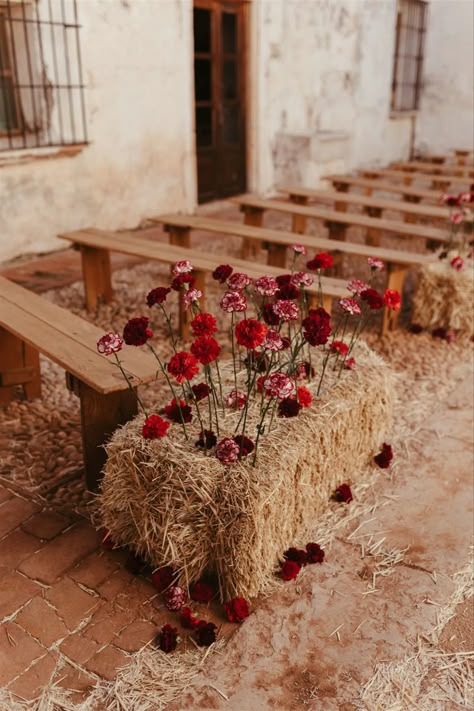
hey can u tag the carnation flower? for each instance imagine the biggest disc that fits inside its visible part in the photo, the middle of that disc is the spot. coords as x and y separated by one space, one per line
238 281
136 331
375 264
317 327
302 279
392 299
154 427
163 578
304 396
297 555
303 371
456 218
416 328
273 341
279 385
466 197
244 444
183 366
203 324
339 347
202 592
227 451
286 310
289 407
444 333
298 249
188 618
384 457
236 399
250 333
314 553
205 349
350 363
178 412
457 263
182 279
449 200
237 609
373 299
110 343
206 633
269 316
356 286
233 301
323 260
289 570
200 391
207 440
343 493
174 598
167 639
222 273
182 267
266 286
157 296
191 296
350 306
287 291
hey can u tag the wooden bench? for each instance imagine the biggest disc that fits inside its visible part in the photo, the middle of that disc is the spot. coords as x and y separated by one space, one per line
342 183
397 261
426 167
30 325
96 245
438 182
463 157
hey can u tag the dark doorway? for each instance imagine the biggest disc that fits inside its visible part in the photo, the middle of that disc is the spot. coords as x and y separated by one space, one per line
219 91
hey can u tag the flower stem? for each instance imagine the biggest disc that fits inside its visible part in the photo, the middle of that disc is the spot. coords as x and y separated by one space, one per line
132 389
175 396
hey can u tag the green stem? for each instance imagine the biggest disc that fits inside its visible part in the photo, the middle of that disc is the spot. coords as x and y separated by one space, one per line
176 398
132 389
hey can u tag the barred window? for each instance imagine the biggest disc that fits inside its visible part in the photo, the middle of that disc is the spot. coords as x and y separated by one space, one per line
42 100
408 59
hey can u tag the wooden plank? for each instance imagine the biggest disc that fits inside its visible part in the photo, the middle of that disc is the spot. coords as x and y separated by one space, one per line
409 177
341 181
19 364
97 276
426 167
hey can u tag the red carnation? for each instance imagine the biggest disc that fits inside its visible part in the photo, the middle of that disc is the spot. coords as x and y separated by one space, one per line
203 324
183 366
163 578
444 333
392 299
157 296
205 349
206 633
289 570
222 273
207 440
237 609
314 553
373 298
200 391
154 427
304 396
323 260
340 347
289 407
383 458
167 639
202 592
343 493
269 316
178 413
317 327
181 279
136 331
188 618
416 328
297 555
250 333
245 444
287 292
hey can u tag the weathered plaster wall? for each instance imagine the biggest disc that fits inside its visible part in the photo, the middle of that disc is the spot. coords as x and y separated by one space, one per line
137 61
446 113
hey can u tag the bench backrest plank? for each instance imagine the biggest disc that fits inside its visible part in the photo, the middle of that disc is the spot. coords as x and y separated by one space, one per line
384 187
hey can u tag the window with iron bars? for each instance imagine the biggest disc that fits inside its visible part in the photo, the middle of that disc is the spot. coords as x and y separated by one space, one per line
42 100
408 59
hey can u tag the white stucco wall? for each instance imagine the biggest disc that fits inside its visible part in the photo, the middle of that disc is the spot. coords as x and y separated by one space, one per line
446 113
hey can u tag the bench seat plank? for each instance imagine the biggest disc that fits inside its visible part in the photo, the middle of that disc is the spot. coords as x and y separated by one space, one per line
408 192
409 176
426 167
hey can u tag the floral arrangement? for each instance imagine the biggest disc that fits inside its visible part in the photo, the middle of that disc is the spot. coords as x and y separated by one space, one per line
273 332
458 247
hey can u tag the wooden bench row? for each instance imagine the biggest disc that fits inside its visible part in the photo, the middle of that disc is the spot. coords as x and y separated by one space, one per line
342 183
438 182
426 167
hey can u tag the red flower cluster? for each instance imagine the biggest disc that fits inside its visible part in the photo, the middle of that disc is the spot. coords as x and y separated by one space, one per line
289 570
289 407
136 331
245 445
207 440
181 279
188 618
157 296
222 273
183 366
237 609
203 324
323 260
343 493
313 554
154 427
205 349
373 299
392 299
110 343
202 592
317 327
167 639
200 391
178 413
163 578
304 396
383 458
206 633
250 333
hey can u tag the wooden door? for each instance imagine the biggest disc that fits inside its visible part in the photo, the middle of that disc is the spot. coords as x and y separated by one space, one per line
219 91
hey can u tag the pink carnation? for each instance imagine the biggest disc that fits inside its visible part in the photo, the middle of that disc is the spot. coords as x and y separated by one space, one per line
266 286
110 343
273 341
286 310
238 281
350 306
233 301
279 385
375 264
301 279
227 451
457 263
236 399
456 218
190 297
298 249
182 267
356 286
350 363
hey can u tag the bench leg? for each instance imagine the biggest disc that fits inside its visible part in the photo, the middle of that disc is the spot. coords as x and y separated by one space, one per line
440 184
298 222
185 315
100 416
277 255
337 231
97 276
395 280
19 365
253 216
179 236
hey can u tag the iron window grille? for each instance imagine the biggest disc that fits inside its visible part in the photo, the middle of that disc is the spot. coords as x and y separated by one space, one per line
408 59
42 100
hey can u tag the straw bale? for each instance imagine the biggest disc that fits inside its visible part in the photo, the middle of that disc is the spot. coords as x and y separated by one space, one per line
175 505
444 297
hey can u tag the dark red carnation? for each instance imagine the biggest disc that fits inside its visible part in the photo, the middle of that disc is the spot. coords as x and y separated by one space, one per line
154 427
317 327
443 333
343 493
202 592
157 296
222 273
205 349
416 328
163 578
323 260
245 445
136 331
288 292
237 609
314 553
207 440
269 316
297 555
383 458
283 279
200 391
167 639
183 366
289 570
250 333
178 413
206 633
188 618
203 324
289 407
373 299
181 279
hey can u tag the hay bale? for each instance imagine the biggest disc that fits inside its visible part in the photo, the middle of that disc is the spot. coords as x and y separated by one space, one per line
172 504
443 298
